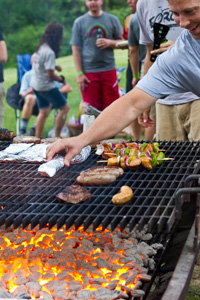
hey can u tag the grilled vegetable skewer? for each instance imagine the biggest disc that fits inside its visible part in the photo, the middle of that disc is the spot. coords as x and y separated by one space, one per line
132 155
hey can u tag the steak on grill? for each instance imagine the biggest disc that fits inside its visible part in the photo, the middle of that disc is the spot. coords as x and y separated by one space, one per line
74 194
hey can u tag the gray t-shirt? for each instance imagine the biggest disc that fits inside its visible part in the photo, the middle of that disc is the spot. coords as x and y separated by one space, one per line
176 70
84 35
44 60
133 36
157 11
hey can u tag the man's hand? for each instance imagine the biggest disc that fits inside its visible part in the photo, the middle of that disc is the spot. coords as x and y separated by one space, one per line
163 47
69 147
82 80
135 81
103 43
144 119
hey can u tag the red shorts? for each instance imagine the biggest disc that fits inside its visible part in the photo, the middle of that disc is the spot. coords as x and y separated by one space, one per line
102 90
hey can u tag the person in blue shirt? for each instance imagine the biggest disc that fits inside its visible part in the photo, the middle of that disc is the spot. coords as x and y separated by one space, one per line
28 102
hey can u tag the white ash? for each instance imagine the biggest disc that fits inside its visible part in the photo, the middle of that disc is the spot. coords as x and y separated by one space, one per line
112 285
74 287
83 253
2 285
108 294
33 288
64 276
21 289
83 295
22 296
59 296
5 294
72 296
138 293
45 296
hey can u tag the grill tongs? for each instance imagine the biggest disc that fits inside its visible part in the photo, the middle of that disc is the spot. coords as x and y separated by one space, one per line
92 111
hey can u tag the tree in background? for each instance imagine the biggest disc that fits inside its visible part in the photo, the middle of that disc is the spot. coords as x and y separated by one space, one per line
23 22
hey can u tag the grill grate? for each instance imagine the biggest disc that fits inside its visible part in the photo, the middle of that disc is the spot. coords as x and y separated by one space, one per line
28 198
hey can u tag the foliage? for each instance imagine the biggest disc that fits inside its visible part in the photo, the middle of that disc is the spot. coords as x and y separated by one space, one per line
121 13
23 22
114 4
29 38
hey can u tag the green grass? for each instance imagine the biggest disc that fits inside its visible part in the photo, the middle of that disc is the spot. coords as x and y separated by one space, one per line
74 98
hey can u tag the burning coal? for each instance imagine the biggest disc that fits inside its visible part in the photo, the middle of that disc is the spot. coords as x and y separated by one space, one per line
74 264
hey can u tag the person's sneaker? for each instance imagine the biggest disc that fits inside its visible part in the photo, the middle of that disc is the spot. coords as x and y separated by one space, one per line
22 132
30 132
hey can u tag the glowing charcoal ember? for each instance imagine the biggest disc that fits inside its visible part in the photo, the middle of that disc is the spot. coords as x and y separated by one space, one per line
72 264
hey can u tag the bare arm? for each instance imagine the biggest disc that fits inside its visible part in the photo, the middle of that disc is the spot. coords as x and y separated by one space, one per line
76 51
81 78
134 62
3 52
147 62
58 68
106 43
66 88
112 120
144 118
29 91
53 76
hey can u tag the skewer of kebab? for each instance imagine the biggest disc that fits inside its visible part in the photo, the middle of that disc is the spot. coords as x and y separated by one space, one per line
110 149
132 155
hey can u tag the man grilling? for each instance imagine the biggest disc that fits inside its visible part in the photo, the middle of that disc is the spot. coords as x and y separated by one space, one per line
175 71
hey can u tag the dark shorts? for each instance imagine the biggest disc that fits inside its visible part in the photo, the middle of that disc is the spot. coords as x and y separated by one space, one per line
53 98
129 78
35 108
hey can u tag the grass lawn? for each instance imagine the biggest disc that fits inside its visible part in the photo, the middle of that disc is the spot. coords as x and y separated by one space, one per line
74 98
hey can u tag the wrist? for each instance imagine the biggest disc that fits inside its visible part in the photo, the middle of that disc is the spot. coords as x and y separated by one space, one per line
79 73
136 75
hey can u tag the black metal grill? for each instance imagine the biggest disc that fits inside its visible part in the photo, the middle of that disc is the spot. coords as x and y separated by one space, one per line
28 198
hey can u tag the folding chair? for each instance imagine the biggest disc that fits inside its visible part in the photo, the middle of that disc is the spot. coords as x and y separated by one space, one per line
122 91
23 65
12 96
119 72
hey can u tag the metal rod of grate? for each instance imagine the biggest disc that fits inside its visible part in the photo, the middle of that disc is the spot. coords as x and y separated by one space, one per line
28 198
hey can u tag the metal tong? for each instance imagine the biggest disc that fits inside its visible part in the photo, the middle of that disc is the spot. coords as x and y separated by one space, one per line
92 111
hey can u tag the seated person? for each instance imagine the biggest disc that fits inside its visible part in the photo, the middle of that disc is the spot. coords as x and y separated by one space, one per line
28 101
